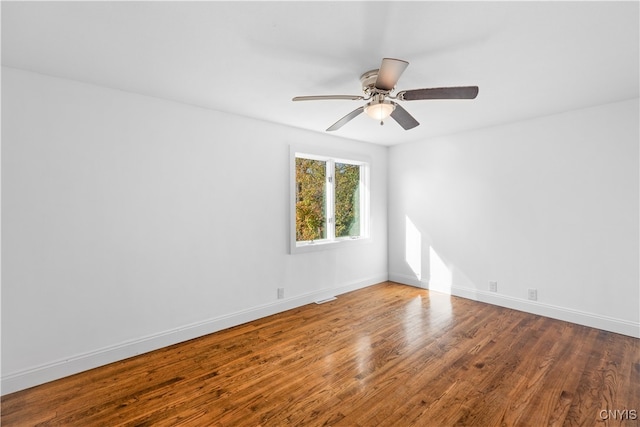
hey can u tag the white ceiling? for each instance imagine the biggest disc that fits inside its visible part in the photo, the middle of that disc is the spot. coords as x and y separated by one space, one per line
250 58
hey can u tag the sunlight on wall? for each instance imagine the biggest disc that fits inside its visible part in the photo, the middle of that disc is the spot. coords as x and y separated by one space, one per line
440 276
440 280
413 247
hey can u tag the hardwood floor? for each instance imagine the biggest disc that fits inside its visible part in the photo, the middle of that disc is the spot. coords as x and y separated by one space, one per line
387 355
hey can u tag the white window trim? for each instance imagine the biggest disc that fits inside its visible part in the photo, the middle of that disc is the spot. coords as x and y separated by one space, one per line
331 156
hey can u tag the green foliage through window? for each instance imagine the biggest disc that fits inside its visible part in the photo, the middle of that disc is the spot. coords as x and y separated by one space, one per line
310 199
347 203
327 199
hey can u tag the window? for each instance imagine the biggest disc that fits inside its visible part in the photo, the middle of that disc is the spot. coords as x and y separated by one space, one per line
311 199
330 200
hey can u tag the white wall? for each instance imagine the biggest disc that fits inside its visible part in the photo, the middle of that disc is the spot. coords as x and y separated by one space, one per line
130 223
549 203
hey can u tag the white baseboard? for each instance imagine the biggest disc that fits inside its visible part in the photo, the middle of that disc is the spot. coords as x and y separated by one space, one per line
408 280
31 377
619 326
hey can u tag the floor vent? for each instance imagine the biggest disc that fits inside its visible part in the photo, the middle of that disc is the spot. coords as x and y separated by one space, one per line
322 301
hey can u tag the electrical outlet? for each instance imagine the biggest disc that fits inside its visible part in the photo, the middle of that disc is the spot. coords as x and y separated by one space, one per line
280 293
493 286
533 294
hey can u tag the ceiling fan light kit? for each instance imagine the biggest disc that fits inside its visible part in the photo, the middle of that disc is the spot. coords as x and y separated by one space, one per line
377 86
379 109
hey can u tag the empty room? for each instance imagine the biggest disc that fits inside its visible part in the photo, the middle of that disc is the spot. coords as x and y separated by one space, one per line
320 213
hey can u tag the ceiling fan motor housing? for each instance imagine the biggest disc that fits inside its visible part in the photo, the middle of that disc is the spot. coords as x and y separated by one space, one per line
368 81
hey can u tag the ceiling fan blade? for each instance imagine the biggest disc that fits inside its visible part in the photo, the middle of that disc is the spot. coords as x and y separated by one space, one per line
462 92
390 71
403 118
337 125
325 97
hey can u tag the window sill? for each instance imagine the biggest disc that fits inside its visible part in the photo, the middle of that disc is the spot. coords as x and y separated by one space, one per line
299 248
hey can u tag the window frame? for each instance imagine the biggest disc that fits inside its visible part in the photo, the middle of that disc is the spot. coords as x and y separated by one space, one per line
331 157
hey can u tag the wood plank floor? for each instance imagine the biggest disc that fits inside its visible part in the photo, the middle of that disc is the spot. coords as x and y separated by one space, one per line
387 355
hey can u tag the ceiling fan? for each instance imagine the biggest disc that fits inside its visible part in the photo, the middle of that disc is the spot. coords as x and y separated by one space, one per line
378 85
